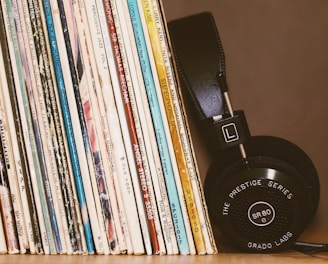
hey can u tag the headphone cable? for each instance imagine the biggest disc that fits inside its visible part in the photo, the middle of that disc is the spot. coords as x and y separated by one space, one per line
310 248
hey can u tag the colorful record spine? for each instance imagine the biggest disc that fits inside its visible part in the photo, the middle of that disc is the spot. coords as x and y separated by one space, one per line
131 184
137 106
78 67
82 95
38 108
12 106
18 188
10 192
142 116
164 69
25 115
52 99
97 55
119 160
18 153
187 142
84 81
5 194
17 141
190 185
3 244
69 129
173 141
63 185
146 121
44 156
155 110
131 125
207 245
85 126
102 83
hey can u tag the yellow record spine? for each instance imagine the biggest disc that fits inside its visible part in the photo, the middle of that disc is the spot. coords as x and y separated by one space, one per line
157 40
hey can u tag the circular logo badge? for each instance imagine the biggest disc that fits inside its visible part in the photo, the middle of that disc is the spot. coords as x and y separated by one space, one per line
261 213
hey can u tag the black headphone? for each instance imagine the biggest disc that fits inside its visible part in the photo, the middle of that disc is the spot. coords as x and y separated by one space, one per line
261 191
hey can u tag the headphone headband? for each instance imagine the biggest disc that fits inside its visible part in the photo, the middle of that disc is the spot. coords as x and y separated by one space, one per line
199 59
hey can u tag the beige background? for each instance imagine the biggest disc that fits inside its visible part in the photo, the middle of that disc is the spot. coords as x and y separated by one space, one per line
277 69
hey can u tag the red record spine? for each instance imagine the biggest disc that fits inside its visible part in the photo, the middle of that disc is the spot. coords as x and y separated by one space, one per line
131 125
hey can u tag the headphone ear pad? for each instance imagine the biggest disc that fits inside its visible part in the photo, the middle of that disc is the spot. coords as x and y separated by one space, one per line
265 201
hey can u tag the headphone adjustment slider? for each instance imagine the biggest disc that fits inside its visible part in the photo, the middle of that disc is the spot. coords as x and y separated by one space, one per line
232 130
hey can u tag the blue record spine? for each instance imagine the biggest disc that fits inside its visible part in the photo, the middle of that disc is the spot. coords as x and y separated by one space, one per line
37 132
68 124
159 128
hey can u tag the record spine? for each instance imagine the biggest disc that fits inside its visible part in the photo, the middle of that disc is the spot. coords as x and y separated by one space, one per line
84 103
17 138
71 23
147 124
19 17
3 244
69 129
84 126
25 114
200 206
17 184
141 124
131 184
189 149
143 53
38 133
96 155
204 243
63 185
131 125
12 106
84 82
103 83
35 91
143 118
76 54
11 194
96 58
51 97
120 160
163 91
186 168
5 193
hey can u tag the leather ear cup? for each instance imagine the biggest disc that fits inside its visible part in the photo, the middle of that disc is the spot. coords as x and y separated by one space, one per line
265 202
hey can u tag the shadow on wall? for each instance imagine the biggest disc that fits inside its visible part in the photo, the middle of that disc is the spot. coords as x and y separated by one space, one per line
277 64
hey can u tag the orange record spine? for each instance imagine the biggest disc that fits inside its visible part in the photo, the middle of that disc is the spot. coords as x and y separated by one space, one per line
161 57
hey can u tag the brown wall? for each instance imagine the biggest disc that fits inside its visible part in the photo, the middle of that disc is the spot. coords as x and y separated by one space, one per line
277 68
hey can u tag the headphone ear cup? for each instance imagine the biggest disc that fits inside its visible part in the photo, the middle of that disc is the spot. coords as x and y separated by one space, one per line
283 150
264 202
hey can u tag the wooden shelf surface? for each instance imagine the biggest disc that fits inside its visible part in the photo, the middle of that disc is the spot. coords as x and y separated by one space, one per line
288 257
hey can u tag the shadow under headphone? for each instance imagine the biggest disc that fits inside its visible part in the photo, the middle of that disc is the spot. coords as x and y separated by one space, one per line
261 191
